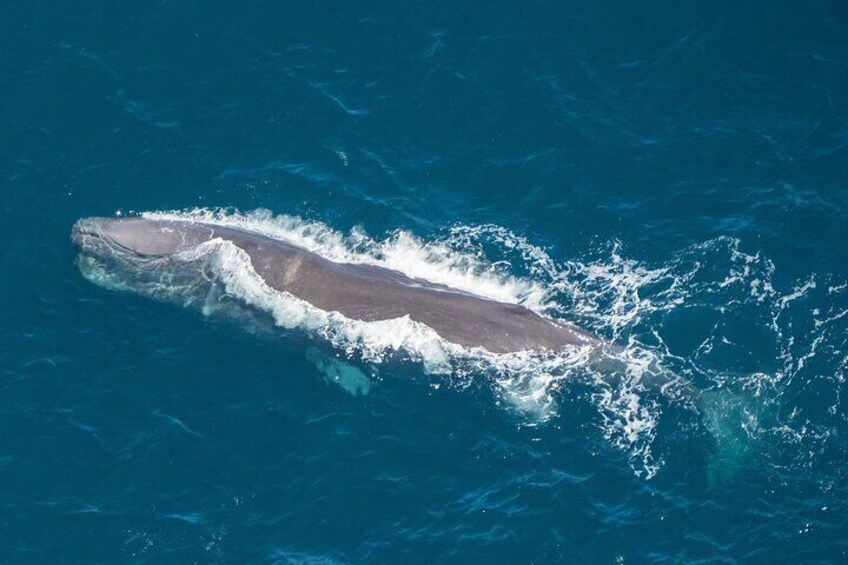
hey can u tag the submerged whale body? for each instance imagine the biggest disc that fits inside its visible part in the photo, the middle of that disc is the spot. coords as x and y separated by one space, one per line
360 292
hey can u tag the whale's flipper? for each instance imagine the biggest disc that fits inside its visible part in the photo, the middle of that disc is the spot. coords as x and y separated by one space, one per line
335 371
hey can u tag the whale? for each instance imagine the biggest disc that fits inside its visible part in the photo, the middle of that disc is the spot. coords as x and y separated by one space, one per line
148 255
357 291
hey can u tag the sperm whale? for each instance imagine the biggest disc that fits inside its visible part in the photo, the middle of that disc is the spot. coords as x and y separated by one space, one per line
357 291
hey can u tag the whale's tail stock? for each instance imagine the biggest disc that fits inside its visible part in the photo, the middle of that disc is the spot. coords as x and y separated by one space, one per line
736 413
737 416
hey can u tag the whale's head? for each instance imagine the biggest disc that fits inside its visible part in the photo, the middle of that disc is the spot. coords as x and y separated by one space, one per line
140 237
142 255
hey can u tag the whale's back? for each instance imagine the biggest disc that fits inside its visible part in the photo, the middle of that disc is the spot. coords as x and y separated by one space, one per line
371 293
360 292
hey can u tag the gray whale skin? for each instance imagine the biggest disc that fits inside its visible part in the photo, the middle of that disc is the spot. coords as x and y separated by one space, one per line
360 292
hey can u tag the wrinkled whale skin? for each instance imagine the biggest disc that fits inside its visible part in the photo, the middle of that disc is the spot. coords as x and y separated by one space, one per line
361 292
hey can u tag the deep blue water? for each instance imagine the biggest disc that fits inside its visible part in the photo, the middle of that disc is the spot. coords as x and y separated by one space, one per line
681 167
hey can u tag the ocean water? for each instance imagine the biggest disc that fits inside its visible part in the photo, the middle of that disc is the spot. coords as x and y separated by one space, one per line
671 177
